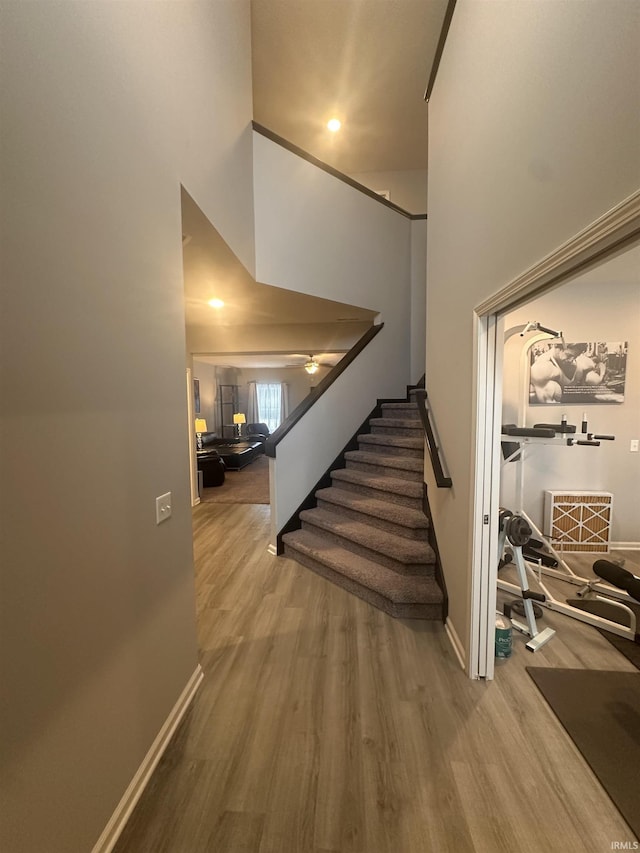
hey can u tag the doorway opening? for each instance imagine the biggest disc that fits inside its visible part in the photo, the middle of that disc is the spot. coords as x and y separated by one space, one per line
244 337
609 238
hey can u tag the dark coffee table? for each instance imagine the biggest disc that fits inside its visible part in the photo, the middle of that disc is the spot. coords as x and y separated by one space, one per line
237 454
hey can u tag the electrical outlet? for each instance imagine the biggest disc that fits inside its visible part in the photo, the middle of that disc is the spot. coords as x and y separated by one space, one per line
633 447
163 507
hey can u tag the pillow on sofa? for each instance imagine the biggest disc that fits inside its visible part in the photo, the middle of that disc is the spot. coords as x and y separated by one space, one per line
256 430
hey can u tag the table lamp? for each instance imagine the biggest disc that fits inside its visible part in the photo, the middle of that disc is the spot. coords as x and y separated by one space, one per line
238 420
201 426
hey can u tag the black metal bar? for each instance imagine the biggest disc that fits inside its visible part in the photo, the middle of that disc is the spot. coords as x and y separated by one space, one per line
553 332
278 434
442 481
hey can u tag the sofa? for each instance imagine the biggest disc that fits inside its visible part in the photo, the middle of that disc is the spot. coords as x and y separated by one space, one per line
211 465
256 432
236 453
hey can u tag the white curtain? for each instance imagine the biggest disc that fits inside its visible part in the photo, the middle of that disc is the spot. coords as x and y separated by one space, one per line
270 404
253 416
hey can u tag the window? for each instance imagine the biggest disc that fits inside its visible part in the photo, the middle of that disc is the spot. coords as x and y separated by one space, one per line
270 404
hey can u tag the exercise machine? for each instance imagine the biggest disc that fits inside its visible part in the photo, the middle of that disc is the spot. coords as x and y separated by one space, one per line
515 530
602 601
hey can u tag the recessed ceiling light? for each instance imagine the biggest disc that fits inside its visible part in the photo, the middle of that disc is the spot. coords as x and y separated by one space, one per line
334 124
216 303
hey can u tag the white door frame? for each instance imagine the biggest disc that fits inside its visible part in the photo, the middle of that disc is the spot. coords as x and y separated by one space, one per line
488 332
193 465
618 227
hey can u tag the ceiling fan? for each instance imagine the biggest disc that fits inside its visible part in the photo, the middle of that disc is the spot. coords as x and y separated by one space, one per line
312 365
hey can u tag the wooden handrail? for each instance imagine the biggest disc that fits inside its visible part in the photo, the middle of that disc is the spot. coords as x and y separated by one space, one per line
278 434
310 158
442 480
446 23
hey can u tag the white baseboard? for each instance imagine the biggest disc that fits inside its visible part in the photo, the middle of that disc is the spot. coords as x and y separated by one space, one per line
119 818
624 546
454 639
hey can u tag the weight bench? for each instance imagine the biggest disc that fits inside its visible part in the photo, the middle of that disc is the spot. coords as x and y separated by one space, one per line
617 576
604 608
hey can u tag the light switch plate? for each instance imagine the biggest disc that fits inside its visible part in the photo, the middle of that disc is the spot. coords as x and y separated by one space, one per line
633 447
163 507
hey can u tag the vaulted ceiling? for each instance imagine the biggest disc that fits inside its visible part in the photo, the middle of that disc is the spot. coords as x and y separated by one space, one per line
367 62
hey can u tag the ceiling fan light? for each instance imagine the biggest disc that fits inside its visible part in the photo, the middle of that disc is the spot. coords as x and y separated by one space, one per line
312 365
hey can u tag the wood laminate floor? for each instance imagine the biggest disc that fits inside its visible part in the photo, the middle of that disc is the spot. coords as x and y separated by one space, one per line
325 726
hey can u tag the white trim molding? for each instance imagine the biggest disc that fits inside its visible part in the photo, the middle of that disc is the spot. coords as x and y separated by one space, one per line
485 507
454 639
121 815
622 546
615 226
193 459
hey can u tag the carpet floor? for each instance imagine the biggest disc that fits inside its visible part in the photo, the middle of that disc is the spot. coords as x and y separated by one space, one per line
600 711
248 486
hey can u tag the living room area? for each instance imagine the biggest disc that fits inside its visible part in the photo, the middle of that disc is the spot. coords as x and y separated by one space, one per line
237 407
246 485
254 353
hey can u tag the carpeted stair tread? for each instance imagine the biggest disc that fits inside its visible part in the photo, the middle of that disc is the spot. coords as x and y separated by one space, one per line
400 406
404 516
381 460
368 533
398 548
398 588
414 424
400 441
393 486
400 515
411 416
379 486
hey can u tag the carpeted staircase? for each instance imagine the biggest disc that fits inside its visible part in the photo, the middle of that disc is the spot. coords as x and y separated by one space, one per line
368 532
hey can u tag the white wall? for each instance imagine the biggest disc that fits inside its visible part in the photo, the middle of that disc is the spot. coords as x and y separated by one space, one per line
534 125
106 108
344 407
602 304
407 189
418 297
318 235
